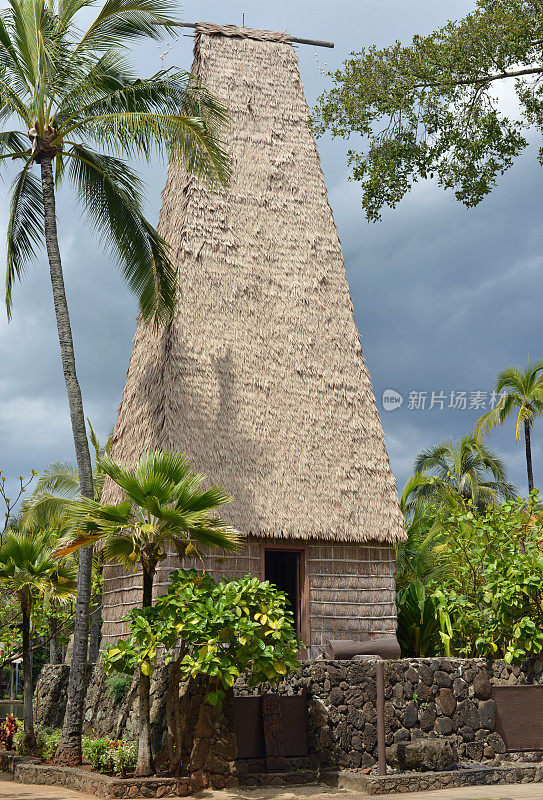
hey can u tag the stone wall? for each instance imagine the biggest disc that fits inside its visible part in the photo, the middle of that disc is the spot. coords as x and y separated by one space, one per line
424 698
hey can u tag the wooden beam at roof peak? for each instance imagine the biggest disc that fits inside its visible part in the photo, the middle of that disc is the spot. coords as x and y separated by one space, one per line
314 42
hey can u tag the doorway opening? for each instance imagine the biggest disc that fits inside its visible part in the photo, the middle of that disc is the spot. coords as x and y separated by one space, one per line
283 568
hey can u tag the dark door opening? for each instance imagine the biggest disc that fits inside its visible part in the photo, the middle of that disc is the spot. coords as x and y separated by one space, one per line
282 568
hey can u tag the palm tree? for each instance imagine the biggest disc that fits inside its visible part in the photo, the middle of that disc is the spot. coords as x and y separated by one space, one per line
421 557
59 483
164 507
522 391
28 571
72 93
463 470
55 487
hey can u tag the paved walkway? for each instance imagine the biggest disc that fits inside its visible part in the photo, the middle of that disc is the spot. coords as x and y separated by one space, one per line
526 791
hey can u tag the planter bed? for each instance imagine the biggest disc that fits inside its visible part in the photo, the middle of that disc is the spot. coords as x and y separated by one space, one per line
479 775
32 770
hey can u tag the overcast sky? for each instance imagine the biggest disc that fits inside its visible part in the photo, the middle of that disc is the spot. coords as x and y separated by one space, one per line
444 297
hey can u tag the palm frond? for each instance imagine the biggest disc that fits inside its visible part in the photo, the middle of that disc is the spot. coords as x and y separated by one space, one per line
219 534
9 61
172 465
122 549
25 227
42 510
433 457
121 21
140 134
12 144
110 192
59 478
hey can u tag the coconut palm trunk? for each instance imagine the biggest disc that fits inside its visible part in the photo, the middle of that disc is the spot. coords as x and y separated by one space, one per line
528 444
29 740
145 765
95 629
69 748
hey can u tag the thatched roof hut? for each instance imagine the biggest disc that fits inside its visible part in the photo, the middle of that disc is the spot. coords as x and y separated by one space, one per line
261 378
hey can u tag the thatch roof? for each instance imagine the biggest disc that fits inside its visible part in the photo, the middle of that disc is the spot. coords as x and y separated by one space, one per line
261 378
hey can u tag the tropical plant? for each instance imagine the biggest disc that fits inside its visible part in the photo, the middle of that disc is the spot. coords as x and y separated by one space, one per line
493 592
225 629
429 109
455 472
59 483
521 391
165 505
71 92
418 621
422 556
29 572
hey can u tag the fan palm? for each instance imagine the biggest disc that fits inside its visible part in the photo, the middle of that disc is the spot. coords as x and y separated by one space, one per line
164 506
463 470
72 94
29 571
522 392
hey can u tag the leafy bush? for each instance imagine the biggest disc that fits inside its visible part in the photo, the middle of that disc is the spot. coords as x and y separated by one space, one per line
18 737
118 685
94 751
226 628
115 756
48 739
489 601
494 596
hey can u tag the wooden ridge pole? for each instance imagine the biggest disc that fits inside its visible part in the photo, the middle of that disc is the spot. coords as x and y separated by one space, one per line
314 42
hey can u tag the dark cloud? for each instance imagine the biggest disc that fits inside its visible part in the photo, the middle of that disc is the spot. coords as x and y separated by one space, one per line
443 297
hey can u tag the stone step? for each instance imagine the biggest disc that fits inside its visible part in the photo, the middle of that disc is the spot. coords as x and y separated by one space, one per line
295 778
506 773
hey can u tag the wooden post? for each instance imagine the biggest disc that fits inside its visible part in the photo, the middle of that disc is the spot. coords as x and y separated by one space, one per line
381 743
273 732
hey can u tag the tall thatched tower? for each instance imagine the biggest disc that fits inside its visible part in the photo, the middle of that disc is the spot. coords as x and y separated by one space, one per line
261 378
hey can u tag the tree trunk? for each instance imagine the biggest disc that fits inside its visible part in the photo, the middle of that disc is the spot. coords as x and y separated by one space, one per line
528 455
177 722
145 765
29 738
214 748
69 747
54 655
95 635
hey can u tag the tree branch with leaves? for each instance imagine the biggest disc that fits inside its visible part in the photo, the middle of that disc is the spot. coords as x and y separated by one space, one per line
429 109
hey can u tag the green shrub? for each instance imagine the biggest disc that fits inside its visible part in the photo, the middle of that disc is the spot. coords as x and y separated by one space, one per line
115 756
48 739
95 752
18 737
118 685
125 757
